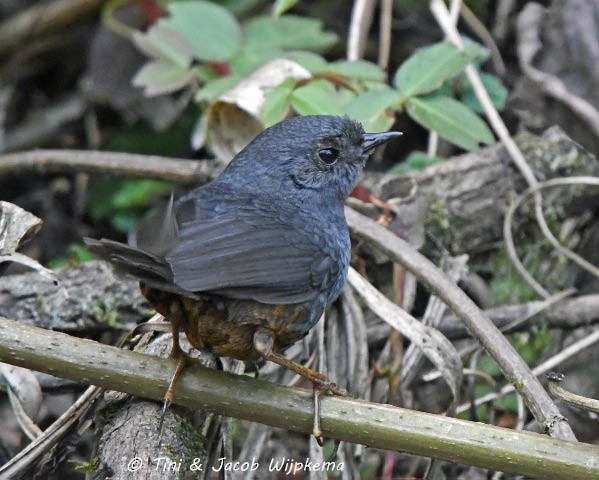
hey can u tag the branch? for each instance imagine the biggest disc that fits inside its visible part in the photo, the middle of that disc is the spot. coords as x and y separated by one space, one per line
479 325
42 18
442 16
379 426
568 314
113 163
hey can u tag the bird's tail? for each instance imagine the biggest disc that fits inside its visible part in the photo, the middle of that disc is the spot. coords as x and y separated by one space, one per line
146 267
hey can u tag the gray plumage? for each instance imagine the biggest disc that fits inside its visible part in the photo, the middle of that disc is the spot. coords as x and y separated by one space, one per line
270 228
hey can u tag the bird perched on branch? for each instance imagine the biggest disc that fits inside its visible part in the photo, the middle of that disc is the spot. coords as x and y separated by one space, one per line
246 264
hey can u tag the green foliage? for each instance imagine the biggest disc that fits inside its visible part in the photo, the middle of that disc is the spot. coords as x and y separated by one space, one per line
123 201
289 32
184 46
426 70
507 286
278 103
211 30
358 69
77 253
158 77
317 98
107 313
374 108
496 90
452 119
281 6
531 346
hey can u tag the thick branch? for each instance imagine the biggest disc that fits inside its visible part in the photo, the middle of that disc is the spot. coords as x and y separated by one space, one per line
380 426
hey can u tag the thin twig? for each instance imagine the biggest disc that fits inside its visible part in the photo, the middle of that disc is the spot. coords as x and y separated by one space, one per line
572 399
433 143
109 163
510 362
17 465
435 346
529 44
566 314
361 19
507 225
385 33
442 16
549 364
454 11
480 29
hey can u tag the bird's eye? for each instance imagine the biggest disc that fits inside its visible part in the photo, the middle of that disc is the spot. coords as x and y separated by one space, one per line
329 155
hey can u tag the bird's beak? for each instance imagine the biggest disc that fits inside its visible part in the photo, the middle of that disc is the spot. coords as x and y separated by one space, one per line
372 140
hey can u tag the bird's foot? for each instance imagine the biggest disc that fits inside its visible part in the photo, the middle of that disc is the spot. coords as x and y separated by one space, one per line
263 343
183 361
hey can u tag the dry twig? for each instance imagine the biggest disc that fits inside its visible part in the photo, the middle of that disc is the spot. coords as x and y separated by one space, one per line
510 362
443 18
361 19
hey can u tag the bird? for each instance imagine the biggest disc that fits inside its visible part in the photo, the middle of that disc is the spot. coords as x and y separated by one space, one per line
246 264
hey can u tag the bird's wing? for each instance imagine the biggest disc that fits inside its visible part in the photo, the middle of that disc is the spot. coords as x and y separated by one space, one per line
248 251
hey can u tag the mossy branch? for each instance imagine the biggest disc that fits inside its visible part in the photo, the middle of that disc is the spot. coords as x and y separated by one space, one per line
356 421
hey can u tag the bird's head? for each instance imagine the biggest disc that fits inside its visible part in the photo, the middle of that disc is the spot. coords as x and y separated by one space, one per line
316 152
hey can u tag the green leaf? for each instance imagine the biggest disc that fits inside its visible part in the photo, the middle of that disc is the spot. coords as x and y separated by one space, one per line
250 59
375 109
161 43
277 104
450 119
215 88
312 62
111 196
316 98
137 193
415 161
211 30
290 32
359 69
159 77
76 253
124 221
281 6
495 88
428 68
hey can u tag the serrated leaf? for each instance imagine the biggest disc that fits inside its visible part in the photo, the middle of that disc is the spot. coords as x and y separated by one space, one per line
495 88
450 119
289 32
162 43
316 98
281 6
211 30
277 103
375 109
429 67
359 69
159 77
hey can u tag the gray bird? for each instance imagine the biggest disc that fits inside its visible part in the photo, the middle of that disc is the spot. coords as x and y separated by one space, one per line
246 264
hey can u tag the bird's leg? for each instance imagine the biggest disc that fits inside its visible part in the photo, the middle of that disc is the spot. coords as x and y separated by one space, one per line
183 361
264 343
